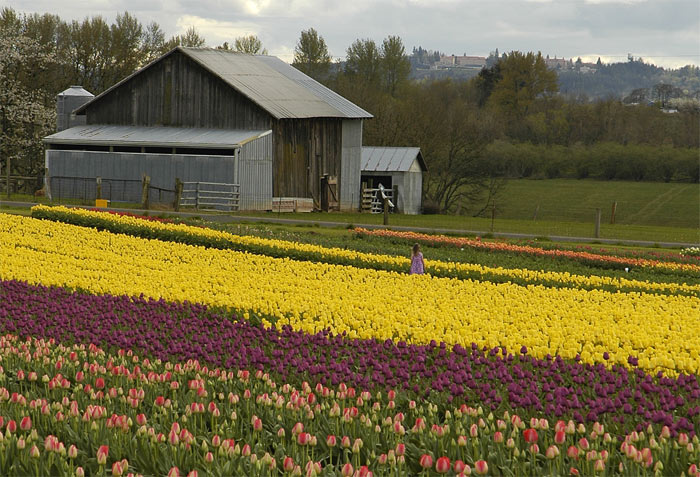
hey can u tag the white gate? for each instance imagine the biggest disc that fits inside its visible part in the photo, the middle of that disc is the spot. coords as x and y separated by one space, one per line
211 196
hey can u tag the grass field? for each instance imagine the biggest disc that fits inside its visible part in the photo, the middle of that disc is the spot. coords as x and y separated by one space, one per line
638 203
649 211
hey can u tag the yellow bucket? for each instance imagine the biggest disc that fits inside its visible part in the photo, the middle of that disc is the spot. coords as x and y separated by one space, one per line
101 203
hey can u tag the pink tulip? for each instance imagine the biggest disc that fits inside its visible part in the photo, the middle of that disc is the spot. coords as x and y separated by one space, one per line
288 464
72 452
11 426
400 449
426 461
498 437
459 466
117 469
34 452
193 473
174 472
599 465
347 470
209 458
572 452
552 452
331 441
79 472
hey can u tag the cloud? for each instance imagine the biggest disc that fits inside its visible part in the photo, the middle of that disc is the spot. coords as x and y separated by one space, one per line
665 31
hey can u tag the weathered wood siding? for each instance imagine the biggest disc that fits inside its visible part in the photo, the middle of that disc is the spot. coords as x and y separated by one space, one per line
178 92
305 150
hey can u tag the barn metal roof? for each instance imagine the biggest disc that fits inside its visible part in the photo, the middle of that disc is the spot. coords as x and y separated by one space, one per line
390 159
278 88
101 135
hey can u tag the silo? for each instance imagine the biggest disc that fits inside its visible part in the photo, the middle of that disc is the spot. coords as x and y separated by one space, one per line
68 101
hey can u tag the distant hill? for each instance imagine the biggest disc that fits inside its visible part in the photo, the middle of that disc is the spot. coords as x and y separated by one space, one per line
633 81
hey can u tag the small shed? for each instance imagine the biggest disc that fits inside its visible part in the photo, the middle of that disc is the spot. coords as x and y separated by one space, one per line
398 168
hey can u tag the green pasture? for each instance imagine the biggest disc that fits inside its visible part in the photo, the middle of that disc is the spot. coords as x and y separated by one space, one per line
647 211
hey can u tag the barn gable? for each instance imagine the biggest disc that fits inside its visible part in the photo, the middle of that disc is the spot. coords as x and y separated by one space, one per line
316 133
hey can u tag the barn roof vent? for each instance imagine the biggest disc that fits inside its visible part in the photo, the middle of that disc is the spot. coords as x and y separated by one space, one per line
68 101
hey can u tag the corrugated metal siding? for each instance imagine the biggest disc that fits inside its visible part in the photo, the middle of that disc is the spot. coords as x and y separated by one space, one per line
122 173
350 165
255 174
412 192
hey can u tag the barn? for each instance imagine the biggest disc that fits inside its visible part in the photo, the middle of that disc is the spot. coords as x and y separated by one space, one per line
204 115
399 169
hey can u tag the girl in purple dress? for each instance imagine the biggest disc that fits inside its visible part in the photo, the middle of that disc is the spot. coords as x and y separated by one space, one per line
417 265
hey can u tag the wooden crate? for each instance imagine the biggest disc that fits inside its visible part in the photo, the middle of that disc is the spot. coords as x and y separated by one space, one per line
292 204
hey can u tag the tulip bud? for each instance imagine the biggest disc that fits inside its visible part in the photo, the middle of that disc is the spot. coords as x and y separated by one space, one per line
426 461
79 472
34 452
442 466
481 467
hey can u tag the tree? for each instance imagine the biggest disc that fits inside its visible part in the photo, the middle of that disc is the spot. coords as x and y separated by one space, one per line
250 44
191 39
395 64
523 79
311 54
364 61
126 43
26 113
153 43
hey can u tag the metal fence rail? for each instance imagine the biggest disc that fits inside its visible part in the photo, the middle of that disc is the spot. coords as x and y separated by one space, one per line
211 196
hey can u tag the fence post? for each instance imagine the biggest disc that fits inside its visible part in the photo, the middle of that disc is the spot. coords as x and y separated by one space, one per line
99 187
8 176
178 194
597 223
47 183
386 211
612 216
493 215
196 197
395 198
144 191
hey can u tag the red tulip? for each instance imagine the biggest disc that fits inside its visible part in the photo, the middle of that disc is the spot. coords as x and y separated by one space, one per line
560 437
426 461
174 472
400 449
99 383
459 466
160 401
26 423
288 464
102 454
530 436
481 467
331 441
442 466
11 426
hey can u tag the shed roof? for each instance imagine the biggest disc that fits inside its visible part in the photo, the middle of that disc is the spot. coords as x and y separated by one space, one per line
280 89
108 135
391 159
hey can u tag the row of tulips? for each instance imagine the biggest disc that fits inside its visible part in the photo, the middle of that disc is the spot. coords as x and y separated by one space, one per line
363 303
81 411
690 264
624 400
181 233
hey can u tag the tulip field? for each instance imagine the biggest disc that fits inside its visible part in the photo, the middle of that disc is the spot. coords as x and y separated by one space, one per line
139 347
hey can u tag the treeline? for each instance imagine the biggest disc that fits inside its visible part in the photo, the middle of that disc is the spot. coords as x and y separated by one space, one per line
602 161
510 121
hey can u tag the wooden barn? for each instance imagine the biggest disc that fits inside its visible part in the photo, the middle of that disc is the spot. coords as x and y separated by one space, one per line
399 169
314 147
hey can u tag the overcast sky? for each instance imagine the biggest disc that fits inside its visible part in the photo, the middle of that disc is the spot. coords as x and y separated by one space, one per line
663 32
